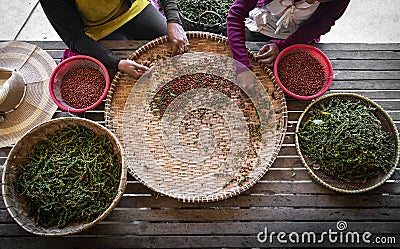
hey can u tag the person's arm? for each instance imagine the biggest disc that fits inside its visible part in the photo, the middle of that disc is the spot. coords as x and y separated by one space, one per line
171 11
67 22
317 25
176 34
236 29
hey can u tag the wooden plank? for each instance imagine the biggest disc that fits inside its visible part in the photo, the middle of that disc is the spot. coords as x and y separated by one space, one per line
287 162
5 217
5 151
92 115
132 241
237 228
265 214
124 54
373 94
311 187
111 44
384 65
350 85
368 49
124 45
269 186
247 201
389 105
350 52
342 46
395 115
361 75
362 55
272 183
359 46
232 228
56 54
50 45
287 150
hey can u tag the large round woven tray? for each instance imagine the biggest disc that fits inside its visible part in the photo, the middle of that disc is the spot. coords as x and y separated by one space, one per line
197 191
333 182
18 206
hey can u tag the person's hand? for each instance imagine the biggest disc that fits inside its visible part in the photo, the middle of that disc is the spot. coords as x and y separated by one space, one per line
132 68
267 54
177 38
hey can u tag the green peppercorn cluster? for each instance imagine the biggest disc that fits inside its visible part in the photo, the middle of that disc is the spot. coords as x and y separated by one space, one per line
72 176
345 139
192 9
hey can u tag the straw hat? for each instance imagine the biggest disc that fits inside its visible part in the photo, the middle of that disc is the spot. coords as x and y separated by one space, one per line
24 97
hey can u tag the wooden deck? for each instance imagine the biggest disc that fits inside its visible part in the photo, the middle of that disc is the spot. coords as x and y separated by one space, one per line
278 203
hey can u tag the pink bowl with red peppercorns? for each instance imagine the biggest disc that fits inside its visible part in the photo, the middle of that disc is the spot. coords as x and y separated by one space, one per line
303 72
79 83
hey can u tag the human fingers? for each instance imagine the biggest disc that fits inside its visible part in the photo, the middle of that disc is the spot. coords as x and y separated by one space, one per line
147 64
264 49
132 68
140 67
179 47
186 47
176 48
178 39
183 47
265 52
269 62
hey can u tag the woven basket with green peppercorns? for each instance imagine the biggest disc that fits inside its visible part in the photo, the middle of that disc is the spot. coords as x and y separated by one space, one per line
347 142
63 177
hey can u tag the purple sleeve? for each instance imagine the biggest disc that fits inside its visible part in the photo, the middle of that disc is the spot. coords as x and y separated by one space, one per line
319 24
236 29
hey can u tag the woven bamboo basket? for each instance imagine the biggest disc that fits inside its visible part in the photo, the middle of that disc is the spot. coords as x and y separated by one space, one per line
338 184
175 178
17 205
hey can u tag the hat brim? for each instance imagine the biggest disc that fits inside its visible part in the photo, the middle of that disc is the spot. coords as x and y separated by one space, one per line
36 66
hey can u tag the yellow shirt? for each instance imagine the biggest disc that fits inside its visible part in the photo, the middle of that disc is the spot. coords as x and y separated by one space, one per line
102 17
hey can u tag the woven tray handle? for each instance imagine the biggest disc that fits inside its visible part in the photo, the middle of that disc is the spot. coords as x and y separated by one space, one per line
210 12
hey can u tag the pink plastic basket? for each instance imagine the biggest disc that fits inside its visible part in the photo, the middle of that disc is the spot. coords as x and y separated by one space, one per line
68 65
318 55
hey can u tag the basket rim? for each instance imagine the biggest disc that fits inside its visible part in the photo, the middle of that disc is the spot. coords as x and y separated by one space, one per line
311 171
280 132
81 227
75 58
307 47
207 25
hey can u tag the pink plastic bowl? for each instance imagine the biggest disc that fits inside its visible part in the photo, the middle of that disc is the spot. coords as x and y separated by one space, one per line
317 54
68 65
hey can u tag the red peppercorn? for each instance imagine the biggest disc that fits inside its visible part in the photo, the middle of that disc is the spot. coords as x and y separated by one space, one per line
301 73
82 87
